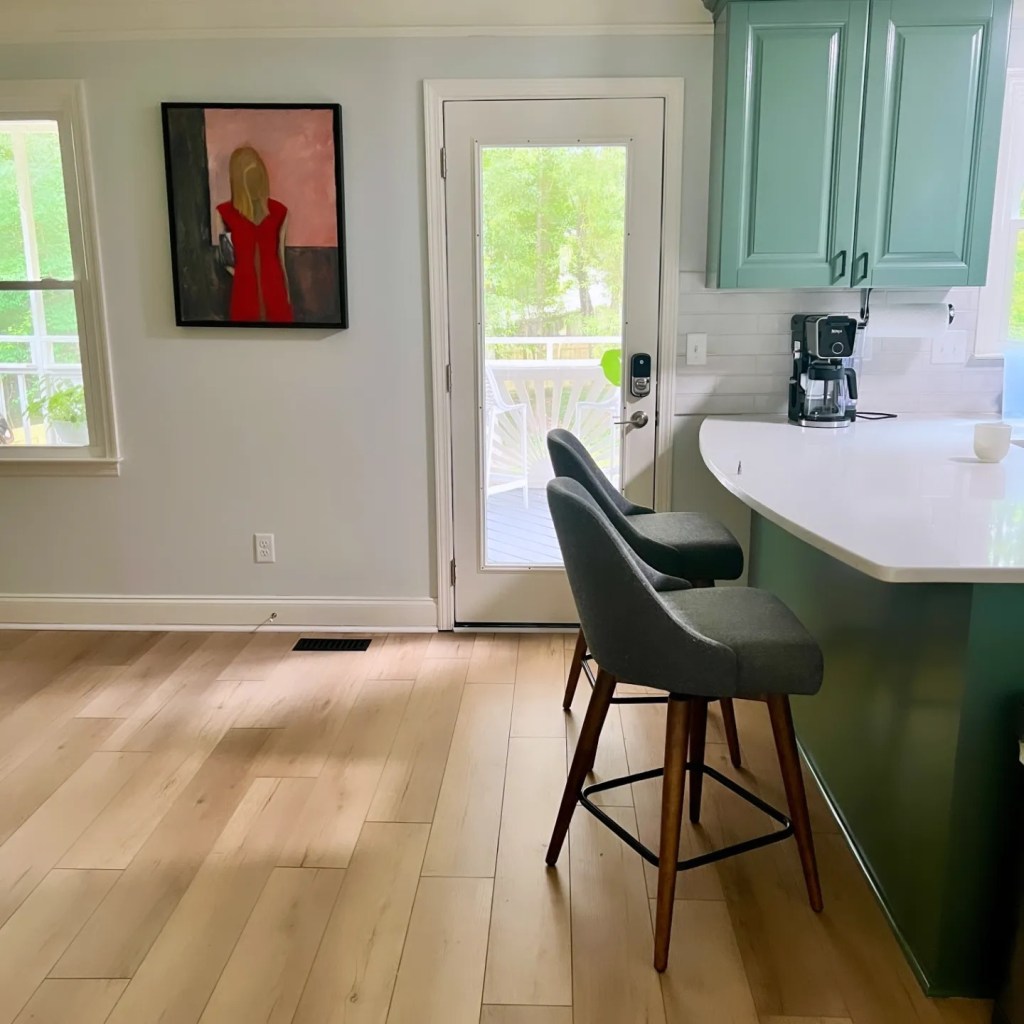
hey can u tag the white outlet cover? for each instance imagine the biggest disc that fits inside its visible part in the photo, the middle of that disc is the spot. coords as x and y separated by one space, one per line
263 548
950 349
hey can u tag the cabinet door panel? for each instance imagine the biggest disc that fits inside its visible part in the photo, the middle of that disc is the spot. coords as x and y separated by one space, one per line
792 140
936 77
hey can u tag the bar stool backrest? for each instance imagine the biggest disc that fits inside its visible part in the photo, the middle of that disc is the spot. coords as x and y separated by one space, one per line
631 631
570 458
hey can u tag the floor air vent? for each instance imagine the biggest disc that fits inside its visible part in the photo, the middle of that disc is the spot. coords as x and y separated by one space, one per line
331 644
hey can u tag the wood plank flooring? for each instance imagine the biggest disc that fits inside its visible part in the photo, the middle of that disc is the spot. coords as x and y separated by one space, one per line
210 829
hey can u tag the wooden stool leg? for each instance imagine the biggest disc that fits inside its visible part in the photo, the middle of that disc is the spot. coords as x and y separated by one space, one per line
793 779
583 760
574 670
676 734
698 739
732 736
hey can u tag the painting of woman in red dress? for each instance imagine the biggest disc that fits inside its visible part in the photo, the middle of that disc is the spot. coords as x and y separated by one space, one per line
256 206
257 226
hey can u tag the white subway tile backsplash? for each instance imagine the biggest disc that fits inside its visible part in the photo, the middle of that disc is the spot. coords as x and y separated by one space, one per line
900 346
772 405
752 344
775 323
739 302
903 404
750 386
718 323
721 364
715 405
962 405
748 363
780 366
908 297
964 298
897 364
697 384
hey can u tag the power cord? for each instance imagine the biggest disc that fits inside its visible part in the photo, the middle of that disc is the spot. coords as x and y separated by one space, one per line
872 417
272 617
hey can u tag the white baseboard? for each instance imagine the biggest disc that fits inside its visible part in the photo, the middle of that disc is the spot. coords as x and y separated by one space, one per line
368 614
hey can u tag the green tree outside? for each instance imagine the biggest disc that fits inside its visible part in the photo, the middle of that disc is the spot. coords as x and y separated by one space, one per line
553 243
1017 304
53 245
50 217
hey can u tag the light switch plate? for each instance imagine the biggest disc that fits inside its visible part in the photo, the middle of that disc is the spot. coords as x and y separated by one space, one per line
696 350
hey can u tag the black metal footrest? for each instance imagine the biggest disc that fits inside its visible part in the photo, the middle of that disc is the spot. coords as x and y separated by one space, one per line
707 858
589 672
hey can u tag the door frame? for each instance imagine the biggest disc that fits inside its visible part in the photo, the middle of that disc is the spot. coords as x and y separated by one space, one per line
437 92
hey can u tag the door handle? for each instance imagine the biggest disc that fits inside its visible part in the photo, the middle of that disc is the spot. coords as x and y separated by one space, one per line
639 419
842 273
866 257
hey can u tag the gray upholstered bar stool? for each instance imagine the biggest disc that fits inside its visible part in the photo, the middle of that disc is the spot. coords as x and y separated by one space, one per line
698 645
684 545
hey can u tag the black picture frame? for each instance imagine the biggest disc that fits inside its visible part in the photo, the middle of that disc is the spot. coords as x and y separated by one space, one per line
201 283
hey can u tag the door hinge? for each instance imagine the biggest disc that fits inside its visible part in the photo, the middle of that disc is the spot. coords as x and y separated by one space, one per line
453 572
444 162
448 378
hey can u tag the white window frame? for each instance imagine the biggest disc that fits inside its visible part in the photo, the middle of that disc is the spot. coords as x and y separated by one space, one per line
63 102
994 301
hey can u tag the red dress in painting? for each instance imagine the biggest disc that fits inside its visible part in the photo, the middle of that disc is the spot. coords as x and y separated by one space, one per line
259 293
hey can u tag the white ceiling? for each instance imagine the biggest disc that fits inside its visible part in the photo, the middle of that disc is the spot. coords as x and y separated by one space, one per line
98 18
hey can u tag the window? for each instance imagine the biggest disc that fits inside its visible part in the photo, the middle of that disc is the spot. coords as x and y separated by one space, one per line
1001 310
55 410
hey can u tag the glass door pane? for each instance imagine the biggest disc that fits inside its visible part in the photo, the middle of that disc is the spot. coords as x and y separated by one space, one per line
553 237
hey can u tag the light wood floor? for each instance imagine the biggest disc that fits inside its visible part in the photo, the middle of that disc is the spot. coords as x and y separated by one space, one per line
209 829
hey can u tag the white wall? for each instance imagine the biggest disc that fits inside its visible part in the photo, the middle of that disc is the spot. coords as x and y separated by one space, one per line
226 432
72 19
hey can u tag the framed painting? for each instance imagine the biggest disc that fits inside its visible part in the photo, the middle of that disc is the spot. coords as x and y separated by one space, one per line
257 214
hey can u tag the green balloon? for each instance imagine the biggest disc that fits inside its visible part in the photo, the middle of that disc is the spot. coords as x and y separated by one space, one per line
611 364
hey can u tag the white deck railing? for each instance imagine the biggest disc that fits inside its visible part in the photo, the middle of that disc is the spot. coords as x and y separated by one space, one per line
569 393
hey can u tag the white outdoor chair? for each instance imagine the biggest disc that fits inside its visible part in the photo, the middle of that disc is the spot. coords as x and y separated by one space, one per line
496 405
603 416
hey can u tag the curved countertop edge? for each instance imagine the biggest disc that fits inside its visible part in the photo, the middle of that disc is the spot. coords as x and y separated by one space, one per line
887 574
883 573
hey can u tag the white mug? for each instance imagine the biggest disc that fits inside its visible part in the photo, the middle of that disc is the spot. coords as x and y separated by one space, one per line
992 441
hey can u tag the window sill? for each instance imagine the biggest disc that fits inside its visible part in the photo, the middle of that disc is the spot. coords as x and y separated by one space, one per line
59 467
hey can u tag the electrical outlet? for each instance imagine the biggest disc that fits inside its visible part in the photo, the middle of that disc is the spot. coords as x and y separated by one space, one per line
696 350
950 348
263 547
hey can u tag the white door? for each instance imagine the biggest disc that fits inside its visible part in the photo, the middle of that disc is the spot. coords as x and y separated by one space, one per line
554 224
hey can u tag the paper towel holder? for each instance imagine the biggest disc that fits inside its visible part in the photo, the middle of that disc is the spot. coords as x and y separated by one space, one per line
865 310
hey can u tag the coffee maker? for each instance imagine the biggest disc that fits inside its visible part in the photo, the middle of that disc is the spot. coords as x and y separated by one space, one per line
823 388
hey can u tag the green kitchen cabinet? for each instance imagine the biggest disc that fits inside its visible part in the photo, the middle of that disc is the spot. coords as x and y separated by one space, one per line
933 115
792 82
855 142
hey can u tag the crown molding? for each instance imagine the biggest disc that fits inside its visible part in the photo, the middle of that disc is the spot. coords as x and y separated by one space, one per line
15 36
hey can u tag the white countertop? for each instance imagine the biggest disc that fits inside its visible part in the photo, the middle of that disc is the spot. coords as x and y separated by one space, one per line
904 501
